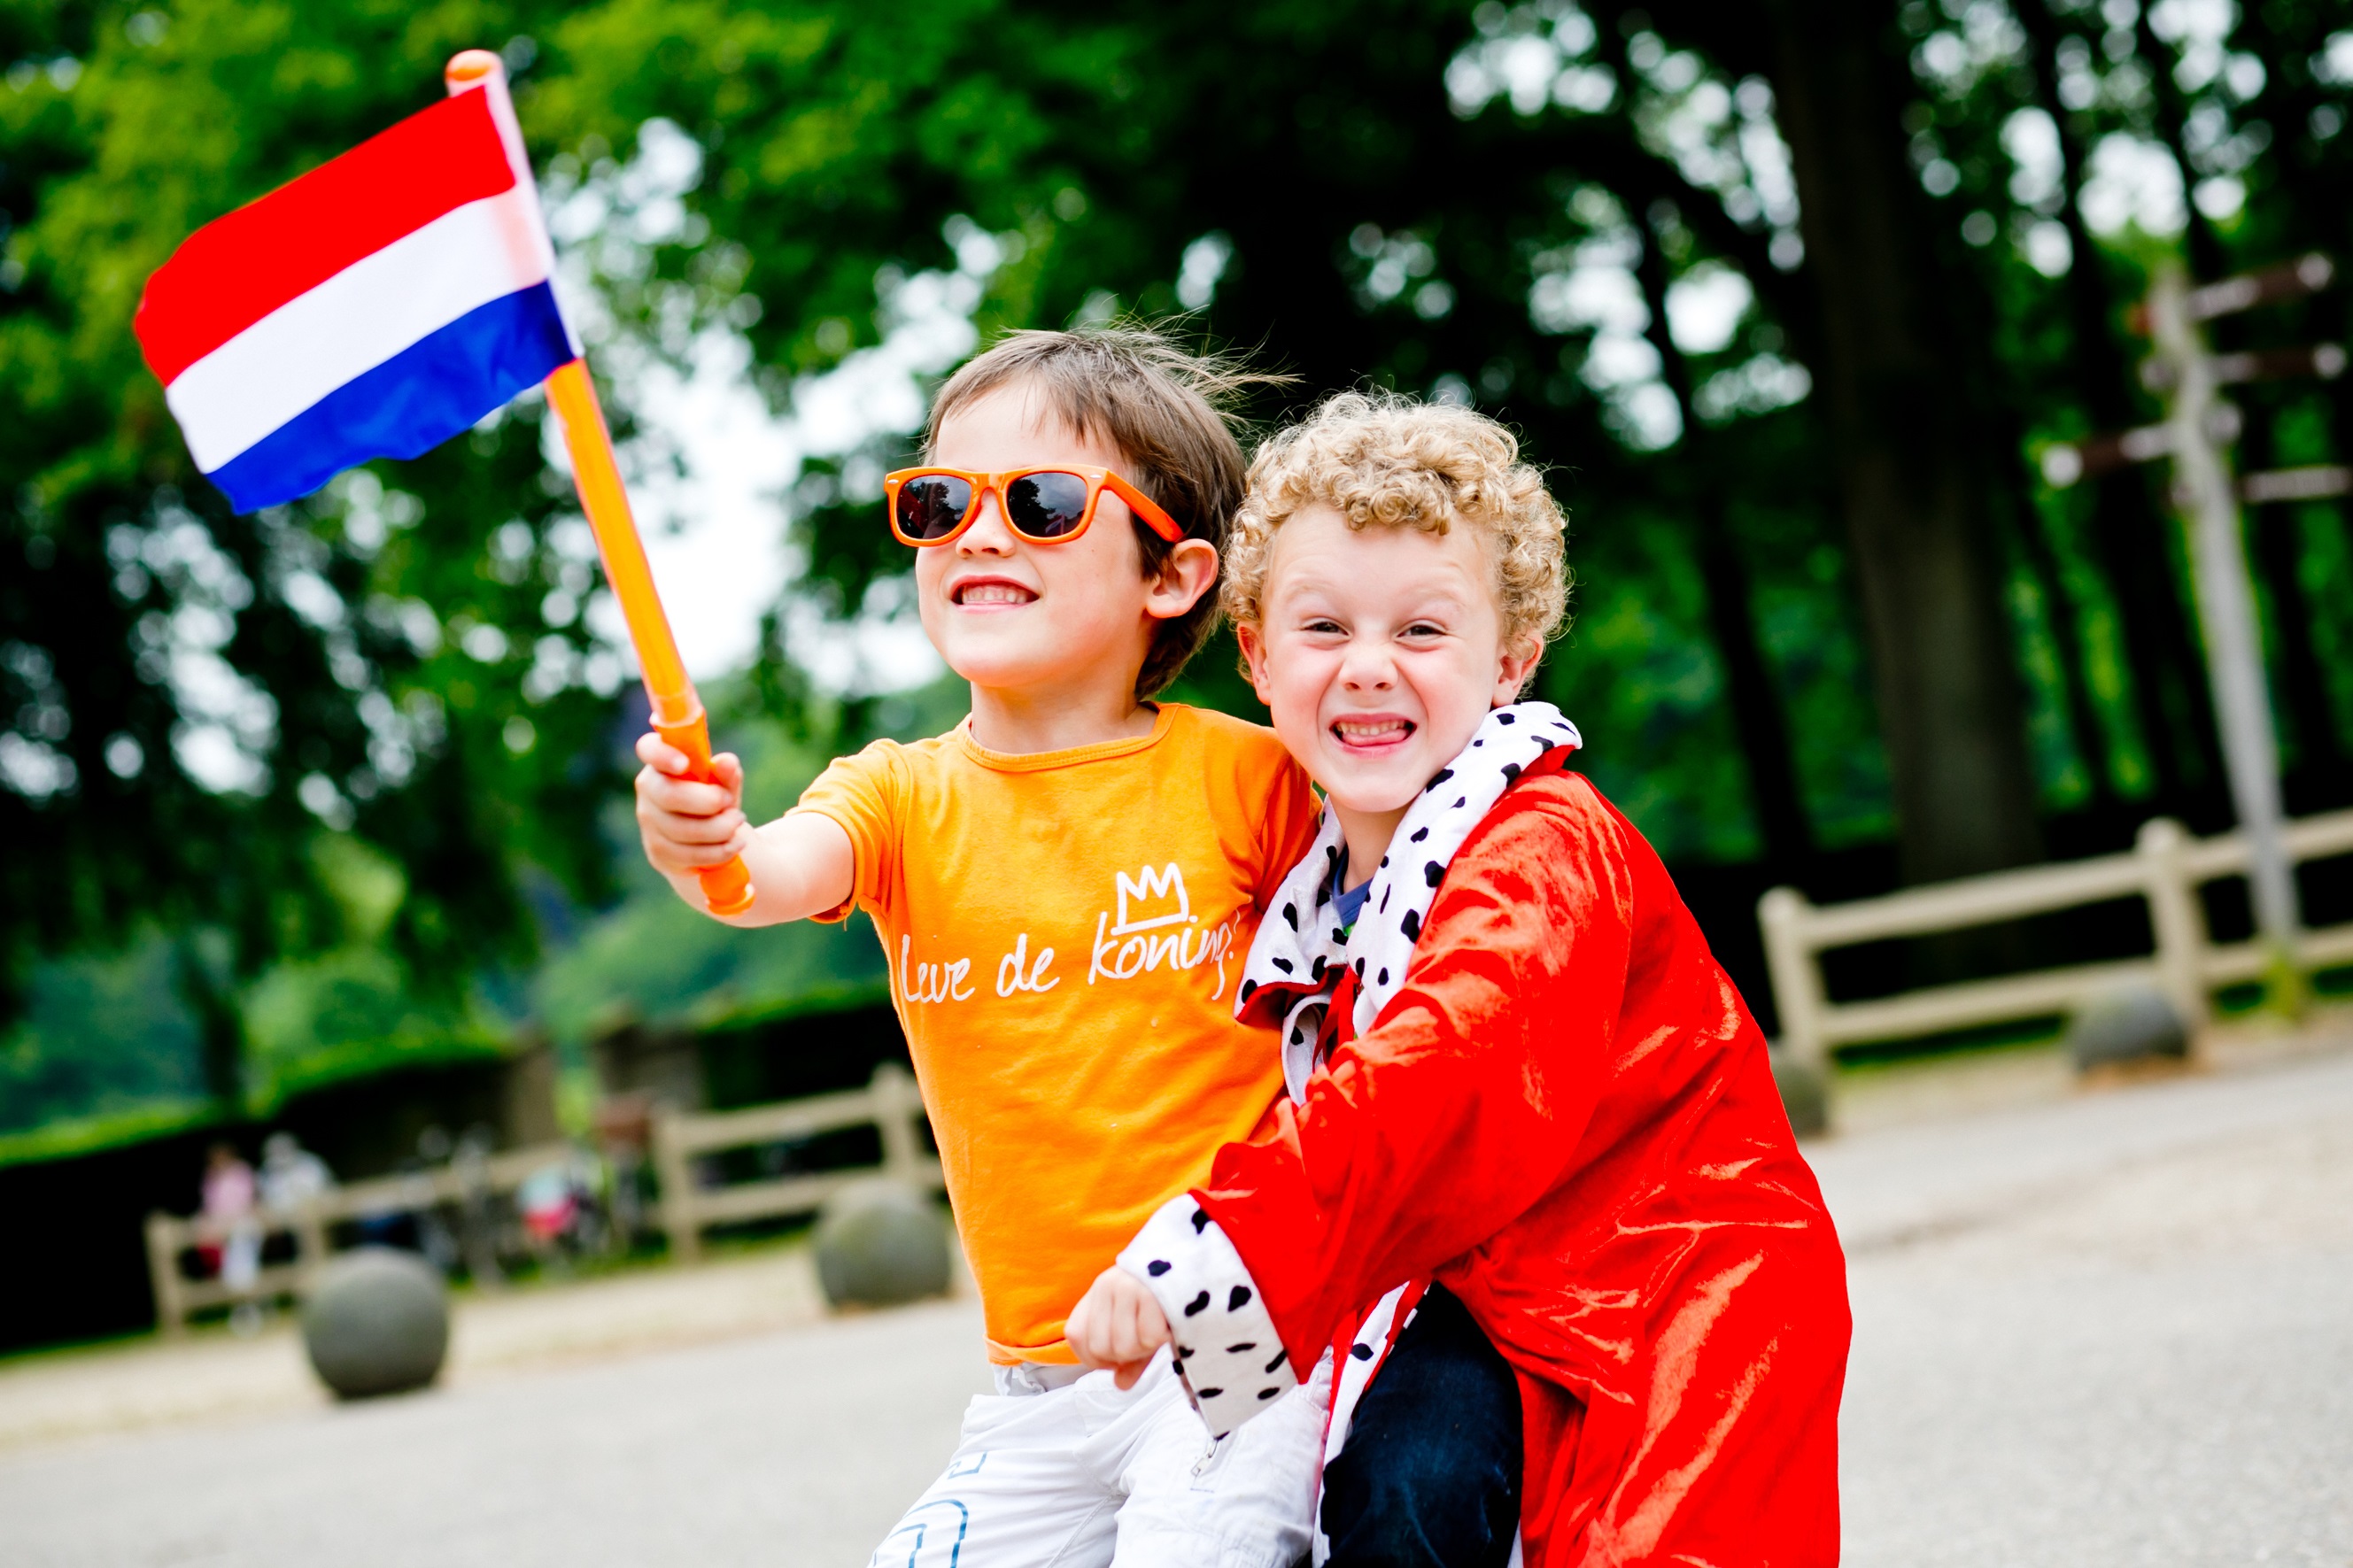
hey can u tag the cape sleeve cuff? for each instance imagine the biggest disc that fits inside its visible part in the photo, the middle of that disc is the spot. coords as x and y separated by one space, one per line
1228 1355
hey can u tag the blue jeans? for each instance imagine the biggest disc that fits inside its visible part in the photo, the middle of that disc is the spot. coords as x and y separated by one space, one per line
1430 1474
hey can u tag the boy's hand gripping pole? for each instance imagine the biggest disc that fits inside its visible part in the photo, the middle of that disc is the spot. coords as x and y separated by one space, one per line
677 715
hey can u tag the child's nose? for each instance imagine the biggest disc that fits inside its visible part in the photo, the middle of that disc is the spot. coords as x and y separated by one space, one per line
1365 670
989 534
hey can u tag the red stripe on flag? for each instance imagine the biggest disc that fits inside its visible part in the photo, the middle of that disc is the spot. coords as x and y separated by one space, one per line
237 269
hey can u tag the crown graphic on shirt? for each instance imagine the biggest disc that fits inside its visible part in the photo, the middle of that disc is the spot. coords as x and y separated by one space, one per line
1150 899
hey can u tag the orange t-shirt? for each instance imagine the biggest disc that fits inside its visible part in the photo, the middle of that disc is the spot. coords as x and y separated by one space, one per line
1065 931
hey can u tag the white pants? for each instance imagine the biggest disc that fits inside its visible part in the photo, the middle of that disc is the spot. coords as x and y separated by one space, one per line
1085 1476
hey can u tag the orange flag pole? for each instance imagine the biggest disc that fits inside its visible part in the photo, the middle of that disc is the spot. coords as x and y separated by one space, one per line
677 715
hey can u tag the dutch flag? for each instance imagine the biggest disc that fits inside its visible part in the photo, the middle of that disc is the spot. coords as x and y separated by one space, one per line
373 308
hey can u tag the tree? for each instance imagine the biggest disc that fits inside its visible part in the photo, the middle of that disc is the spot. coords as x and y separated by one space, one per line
200 701
1508 204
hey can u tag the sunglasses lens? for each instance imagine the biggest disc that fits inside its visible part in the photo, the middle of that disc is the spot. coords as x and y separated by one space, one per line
930 505
1046 506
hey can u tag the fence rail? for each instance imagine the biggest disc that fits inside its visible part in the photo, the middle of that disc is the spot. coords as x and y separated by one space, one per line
178 1297
2165 867
889 1103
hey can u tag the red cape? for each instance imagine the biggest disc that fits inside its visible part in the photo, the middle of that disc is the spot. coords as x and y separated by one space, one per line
1567 1117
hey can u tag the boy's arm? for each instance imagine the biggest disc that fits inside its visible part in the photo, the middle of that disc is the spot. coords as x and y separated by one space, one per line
801 865
1424 1137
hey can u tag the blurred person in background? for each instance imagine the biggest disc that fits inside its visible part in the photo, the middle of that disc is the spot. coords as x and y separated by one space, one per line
291 1175
232 1231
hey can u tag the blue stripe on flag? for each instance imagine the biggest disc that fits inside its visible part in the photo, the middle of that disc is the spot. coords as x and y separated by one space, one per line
408 405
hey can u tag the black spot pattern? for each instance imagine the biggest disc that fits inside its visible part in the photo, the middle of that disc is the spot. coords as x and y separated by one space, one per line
1193 1274
1376 953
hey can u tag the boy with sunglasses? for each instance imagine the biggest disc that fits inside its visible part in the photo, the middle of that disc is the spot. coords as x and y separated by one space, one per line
1066 885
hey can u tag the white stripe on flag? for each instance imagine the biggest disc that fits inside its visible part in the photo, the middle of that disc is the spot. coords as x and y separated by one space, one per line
356 321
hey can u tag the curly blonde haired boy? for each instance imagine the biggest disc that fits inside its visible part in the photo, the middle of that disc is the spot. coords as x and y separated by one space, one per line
1401 463
1532 1191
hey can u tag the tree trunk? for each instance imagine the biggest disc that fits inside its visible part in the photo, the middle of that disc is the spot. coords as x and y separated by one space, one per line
2298 677
1758 716
2033 534
201 974
2171 707
1914 485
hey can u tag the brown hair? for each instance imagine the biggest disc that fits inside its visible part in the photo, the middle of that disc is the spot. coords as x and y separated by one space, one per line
1390 459
1167 411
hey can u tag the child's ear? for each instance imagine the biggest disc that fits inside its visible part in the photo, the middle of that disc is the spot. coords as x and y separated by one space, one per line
1254 641
1513 669
1189 571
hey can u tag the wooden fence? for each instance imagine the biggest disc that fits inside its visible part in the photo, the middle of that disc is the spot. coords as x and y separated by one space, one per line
889 1103
310 1227
2165 867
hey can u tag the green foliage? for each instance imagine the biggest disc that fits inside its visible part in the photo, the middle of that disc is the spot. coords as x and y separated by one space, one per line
211 693
100 1037
368 741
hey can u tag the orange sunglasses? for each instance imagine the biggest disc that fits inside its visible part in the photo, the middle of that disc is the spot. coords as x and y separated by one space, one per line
1044 506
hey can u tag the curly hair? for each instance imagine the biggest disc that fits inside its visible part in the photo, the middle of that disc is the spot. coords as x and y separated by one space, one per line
1397 461
1167 409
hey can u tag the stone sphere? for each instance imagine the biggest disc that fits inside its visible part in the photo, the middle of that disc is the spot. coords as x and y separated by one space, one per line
1805 1089
879 1243
376 1320
2131 1023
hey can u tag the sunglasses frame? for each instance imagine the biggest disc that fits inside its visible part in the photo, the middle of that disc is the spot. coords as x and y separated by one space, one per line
1147 511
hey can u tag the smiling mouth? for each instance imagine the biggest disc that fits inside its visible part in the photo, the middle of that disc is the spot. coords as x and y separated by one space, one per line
1368 734
992 594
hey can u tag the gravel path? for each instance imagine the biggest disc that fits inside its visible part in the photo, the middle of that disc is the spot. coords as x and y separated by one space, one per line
783 1449
2115 1329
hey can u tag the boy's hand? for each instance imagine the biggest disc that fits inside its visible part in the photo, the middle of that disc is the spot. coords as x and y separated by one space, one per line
1117 1324
687 826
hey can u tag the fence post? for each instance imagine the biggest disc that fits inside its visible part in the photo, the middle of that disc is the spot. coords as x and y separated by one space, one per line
895 1106
1797 979
676 1172
310 1229
2176 919
164 1274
